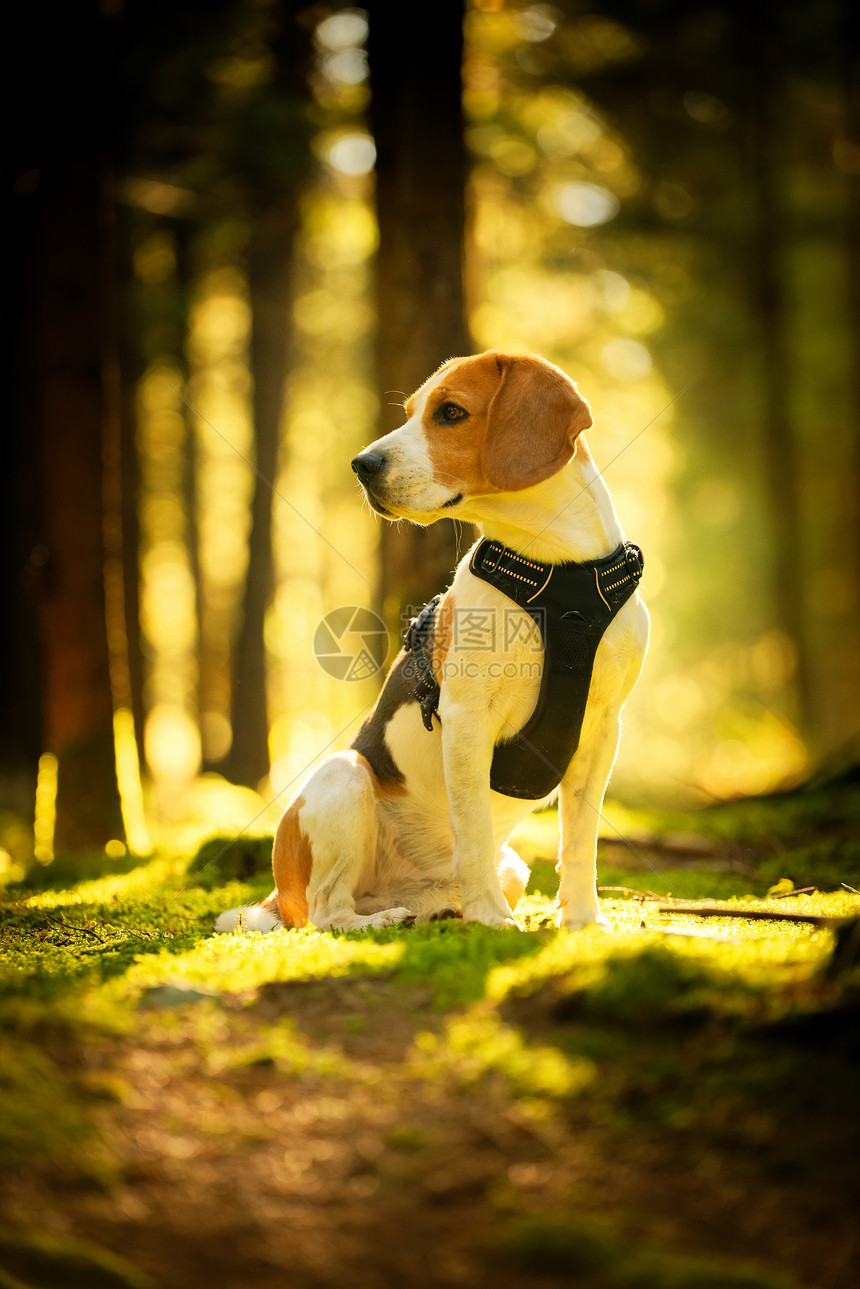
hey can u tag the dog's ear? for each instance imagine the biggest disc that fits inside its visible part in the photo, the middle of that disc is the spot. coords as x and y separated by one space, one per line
532 423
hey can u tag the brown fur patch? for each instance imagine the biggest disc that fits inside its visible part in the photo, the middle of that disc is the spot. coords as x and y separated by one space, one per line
455 450
442 634
292 860
524 418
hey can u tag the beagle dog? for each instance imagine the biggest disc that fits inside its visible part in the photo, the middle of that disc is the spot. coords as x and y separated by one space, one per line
404 826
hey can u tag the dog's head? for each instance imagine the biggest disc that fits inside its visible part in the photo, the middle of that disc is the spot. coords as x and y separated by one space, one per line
480 426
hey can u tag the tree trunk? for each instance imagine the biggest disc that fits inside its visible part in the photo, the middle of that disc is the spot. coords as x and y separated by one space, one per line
417 118
23 557
768 269
851 107
183 286
274 218
269 278
77 702
131 370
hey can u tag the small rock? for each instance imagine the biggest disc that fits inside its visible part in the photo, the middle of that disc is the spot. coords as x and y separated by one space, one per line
177 994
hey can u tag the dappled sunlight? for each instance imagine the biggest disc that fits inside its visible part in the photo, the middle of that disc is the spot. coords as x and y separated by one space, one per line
172 744
478 1046
337 238
211 805
147 879
130 787
245 961
224 807
46 809
298 744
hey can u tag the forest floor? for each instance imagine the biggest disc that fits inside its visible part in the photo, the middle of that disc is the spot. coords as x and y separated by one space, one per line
669 1105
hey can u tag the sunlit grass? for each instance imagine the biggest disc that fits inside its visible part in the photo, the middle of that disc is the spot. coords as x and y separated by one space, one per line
478 1045
246 960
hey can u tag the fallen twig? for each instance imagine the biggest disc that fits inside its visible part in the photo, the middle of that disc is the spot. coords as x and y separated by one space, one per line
682 846
764 915
629 890
72 926
801 890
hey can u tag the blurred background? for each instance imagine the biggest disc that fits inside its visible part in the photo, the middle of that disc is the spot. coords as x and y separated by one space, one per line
244 230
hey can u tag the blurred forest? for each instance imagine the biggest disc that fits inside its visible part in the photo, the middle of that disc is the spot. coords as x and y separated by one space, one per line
244 230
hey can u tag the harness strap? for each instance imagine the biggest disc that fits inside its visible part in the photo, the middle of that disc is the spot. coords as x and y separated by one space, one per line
419 634
524 581
572 605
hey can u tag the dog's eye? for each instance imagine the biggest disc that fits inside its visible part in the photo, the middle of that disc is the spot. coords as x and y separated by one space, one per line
450 412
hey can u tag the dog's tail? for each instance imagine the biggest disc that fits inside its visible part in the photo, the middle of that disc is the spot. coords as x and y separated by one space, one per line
514 875
253 917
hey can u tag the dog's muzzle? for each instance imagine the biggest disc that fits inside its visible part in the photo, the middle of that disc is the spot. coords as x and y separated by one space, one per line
370 468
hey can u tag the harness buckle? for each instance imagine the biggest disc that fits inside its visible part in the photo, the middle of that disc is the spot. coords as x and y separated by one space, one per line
634 561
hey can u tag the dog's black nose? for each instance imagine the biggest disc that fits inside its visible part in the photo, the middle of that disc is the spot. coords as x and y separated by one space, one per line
368 464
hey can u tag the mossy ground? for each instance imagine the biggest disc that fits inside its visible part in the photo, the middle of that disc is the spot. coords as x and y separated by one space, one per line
665 1106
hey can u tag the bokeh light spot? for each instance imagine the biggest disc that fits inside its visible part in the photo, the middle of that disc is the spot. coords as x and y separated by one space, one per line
626 360
353 154
586 205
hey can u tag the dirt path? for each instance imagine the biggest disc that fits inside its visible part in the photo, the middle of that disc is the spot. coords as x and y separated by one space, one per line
238 1170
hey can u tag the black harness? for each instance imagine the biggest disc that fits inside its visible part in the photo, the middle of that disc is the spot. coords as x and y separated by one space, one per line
572 604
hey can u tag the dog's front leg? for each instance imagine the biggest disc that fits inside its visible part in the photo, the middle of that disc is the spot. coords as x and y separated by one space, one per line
467 750
580 803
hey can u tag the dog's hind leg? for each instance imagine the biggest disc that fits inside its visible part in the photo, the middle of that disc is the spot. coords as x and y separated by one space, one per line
338 822
324 853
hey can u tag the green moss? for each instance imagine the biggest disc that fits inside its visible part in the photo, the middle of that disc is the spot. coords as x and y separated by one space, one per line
558 1246
652 987
231 859
455 958
48 1262
672 1271
47 1090
593 1254
69 867
247 960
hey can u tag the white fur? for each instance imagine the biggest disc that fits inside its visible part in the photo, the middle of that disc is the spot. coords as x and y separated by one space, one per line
250 918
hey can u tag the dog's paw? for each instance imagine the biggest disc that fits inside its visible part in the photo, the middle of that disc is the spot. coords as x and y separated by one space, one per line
490 918
570 920
391 917
440 915
366 922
